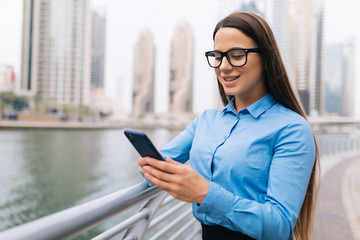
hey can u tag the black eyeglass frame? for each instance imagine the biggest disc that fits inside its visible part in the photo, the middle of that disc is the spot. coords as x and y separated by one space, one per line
225 54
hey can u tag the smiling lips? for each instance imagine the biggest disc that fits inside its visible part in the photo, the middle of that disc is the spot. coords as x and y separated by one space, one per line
230 78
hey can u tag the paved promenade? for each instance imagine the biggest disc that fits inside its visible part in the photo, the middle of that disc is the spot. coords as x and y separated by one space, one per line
337 214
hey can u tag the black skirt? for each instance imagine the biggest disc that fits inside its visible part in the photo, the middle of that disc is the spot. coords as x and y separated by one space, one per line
219 232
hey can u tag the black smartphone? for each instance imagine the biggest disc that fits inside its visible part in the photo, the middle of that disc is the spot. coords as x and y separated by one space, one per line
142 144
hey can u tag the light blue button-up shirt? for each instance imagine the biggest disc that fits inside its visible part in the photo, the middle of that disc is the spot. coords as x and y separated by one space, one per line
258 163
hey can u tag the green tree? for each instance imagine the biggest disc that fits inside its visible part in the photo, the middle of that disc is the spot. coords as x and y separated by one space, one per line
7 98
20 103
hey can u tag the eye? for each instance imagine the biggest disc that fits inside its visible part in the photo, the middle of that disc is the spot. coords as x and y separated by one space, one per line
237 54
216 56
238 57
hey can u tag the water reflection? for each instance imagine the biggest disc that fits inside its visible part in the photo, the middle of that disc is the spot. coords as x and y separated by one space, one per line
45 171
56 171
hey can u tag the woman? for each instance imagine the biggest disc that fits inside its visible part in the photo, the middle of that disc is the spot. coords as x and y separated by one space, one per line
253 164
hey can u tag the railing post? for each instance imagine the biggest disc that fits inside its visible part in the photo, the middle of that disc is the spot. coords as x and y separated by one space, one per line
138 231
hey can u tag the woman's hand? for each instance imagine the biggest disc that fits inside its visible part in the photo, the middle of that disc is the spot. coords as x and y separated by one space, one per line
179 180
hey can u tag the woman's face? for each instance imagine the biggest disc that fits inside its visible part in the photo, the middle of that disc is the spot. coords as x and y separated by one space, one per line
246 83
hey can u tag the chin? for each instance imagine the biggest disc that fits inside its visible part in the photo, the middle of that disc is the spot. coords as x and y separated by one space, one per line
231 92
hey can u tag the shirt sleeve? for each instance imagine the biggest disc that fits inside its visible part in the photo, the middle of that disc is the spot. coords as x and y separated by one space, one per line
289 174
179 147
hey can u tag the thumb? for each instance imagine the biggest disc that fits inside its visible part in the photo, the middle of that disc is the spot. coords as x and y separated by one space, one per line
170 160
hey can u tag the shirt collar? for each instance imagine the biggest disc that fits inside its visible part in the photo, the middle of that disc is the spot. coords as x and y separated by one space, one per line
255 109
230 107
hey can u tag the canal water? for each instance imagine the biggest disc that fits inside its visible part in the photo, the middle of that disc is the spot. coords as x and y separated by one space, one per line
45 171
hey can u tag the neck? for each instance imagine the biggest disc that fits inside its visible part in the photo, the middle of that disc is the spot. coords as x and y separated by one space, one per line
244 102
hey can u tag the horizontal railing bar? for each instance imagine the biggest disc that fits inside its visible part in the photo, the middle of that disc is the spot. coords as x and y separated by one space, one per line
165 215
130 238
112 232
182 230
193 234
171 225
168 200
72 221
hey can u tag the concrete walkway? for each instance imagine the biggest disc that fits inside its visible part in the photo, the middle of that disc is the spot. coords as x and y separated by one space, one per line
337 214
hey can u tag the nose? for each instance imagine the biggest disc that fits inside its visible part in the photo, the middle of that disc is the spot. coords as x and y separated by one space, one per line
225 65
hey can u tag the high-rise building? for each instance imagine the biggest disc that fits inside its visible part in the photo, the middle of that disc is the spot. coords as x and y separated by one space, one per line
333 71
296 28
7 78
56 50
317 94
181 70
98 49
349 79
254 6
339 79
143 78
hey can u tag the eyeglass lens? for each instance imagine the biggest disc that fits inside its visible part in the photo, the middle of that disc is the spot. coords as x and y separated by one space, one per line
237 57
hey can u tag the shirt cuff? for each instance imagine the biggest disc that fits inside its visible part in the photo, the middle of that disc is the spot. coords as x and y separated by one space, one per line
150 184
217 202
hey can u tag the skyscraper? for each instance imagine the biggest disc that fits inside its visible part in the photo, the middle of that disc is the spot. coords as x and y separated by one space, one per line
339 72
254 6
143 76
281 29
349 78
56 50
317 94
98 49
295 26
181 70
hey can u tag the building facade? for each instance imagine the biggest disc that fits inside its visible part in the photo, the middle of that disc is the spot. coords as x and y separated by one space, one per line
143 75
255 6
317 95
56 50
181 70
297 25
7 78
98 36
339 70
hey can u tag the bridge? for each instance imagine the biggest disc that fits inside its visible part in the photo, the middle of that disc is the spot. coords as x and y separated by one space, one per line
143 212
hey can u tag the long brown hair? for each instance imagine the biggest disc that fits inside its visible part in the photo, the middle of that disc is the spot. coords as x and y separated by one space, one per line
276 82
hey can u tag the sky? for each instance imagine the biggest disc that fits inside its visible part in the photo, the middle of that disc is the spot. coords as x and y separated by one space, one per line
126 19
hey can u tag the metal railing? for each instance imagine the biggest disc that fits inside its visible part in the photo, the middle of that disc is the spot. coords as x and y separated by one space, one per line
76 220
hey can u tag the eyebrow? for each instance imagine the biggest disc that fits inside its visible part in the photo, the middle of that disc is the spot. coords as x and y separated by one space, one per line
234 48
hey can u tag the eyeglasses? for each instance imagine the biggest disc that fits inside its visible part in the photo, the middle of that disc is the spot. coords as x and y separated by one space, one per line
237 57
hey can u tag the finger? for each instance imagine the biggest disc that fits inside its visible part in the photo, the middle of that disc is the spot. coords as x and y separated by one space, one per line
142 161
162 165
167 186
170 160
142 170
163 176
